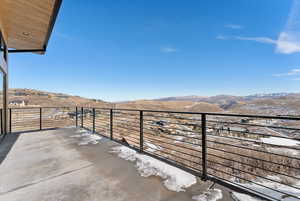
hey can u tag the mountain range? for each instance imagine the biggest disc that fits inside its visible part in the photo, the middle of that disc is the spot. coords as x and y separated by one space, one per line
267 104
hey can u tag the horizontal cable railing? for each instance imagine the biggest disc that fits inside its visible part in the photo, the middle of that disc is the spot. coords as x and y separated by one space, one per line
38 118
259 155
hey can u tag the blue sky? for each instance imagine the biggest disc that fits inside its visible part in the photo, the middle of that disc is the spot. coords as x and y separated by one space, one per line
139 49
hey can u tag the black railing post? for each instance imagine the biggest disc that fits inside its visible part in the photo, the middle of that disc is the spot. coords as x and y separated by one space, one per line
82 117
204 147
94 114
111 124
141 132
10 120
76 116
40 118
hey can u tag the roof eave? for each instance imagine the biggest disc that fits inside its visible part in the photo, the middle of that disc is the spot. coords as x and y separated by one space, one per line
54 15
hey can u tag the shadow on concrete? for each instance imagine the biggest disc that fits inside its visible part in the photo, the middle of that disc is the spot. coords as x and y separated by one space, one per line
6 143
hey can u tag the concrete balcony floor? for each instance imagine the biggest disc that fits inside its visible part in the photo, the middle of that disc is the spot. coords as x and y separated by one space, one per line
51 166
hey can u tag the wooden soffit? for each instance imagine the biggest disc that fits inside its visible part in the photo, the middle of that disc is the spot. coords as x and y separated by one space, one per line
27 24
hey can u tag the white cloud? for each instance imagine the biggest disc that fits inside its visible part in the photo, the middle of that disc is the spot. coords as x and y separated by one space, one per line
233 26
286 44
290 73
168 49
257 39
288 41
222 37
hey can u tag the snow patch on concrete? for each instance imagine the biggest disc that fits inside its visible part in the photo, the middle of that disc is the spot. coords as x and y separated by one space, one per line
70 127
243 197
86 137
174 178
209 195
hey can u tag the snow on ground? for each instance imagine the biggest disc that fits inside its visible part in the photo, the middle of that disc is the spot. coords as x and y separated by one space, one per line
174 178
243 197
280 141
178 139
81 131
70 127
209 195
152 147
269 192
284 151
87 137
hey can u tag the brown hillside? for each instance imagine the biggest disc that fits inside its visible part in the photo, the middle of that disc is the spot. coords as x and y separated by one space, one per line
171 105
36 98
204 107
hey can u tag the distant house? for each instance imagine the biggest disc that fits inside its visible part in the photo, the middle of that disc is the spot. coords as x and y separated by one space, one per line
19 93
160 123
236 129
243 121
20 103
42 94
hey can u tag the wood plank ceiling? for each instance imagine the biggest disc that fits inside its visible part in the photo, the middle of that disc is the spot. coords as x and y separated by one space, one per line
26 23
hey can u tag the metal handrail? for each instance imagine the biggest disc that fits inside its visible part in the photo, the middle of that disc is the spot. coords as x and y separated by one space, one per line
182 112
193 134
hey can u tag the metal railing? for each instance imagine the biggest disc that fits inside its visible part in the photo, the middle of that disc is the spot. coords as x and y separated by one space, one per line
259 155
38 118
